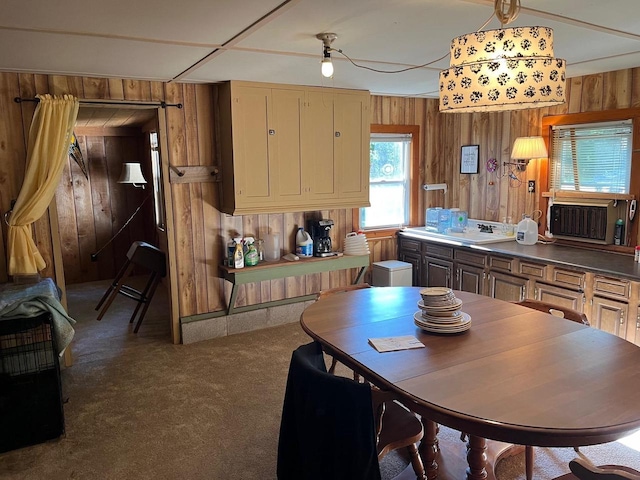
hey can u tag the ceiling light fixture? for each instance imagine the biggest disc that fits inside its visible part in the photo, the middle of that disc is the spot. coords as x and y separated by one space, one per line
503 69
132 173
326 64
525 149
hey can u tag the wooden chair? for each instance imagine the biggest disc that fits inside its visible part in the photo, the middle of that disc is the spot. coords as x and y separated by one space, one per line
583 469
333 291
334 427
556 311
151 259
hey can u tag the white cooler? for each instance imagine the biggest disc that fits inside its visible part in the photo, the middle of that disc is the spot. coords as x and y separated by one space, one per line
392 273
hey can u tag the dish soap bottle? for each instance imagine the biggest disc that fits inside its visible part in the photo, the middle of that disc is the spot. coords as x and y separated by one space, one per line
527 231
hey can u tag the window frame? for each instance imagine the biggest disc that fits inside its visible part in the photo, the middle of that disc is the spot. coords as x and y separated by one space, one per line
634 184
414 180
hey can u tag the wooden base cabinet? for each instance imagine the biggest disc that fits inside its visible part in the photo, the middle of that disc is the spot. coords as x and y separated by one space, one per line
609 315
287 148
508 287
563 297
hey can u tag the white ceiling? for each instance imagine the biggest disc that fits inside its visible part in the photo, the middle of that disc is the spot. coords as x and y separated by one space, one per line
207 41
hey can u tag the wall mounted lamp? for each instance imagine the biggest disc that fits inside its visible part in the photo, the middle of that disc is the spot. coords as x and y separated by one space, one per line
132 173
503 69
326 64
525 149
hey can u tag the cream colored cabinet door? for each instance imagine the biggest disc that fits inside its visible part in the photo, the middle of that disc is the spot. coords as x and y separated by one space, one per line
319 165
252 162
284 134
351 146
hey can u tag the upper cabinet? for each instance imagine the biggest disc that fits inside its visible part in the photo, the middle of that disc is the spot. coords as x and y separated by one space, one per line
288 148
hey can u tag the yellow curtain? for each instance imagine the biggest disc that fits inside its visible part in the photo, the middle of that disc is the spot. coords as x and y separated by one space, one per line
49 138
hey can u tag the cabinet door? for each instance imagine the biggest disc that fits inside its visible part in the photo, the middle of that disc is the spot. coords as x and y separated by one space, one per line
469 278
609 315
507 287
351 146
562 297
437 273
285 126
633 331
319 165
415 259
252 163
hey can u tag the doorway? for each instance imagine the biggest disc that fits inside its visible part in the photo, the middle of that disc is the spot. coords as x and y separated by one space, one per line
98 217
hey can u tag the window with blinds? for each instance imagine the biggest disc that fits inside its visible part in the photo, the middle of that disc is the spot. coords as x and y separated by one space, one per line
592 157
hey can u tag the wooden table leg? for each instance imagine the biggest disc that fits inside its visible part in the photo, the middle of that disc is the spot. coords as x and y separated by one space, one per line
477 458
429 448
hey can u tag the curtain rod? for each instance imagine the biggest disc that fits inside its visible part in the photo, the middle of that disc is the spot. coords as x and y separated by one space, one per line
110 102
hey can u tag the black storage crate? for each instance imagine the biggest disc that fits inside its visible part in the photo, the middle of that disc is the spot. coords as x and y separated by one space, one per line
30 391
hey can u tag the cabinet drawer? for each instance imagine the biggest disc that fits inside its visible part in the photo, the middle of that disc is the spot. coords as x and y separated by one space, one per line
568 278
408 244
501 263
433 250
470 258
529 269
611 286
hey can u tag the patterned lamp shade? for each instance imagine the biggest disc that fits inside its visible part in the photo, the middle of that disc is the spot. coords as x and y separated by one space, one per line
504 69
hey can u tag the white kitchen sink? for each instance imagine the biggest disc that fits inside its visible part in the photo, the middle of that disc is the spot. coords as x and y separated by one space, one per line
473 236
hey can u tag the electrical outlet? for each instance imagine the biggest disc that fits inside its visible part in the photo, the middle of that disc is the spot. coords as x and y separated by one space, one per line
532 186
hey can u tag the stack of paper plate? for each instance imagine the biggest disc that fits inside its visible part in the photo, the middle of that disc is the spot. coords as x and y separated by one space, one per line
356 244
440 312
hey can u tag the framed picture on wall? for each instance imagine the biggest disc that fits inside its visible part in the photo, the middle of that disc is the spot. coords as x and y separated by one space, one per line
469 158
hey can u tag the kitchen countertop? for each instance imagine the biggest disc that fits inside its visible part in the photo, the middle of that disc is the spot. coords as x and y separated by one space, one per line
603 263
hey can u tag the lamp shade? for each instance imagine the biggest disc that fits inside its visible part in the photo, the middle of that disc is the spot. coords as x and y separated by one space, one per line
526 148
131 173
504 69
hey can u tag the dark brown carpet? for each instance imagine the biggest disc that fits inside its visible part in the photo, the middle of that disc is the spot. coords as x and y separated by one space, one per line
141 408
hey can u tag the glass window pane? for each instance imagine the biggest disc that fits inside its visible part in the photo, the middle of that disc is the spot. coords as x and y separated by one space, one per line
389 182
388 206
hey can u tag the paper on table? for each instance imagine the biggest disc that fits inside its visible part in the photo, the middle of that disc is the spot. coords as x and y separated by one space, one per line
392 344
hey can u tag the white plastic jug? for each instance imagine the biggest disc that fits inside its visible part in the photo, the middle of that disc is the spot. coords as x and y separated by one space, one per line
527 231
304 244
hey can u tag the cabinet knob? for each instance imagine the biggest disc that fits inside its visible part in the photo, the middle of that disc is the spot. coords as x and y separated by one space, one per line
272 131
337 134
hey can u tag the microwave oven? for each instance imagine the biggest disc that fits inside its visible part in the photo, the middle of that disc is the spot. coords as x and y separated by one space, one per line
584 220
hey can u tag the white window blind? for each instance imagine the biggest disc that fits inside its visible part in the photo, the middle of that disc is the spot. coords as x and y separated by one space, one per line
591 157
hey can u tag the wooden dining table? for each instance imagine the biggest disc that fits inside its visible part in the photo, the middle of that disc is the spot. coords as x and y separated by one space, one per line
518 375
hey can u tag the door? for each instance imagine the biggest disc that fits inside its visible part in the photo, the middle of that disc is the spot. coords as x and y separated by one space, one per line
437 272
470 278
507 287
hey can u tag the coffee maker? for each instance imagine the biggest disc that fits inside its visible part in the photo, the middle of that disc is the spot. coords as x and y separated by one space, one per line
320 230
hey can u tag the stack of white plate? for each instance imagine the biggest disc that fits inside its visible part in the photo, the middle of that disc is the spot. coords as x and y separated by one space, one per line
356 244
440 312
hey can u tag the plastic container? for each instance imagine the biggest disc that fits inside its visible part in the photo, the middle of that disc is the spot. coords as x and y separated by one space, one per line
459 220
251 257
304 244
527 231
272 247
444 220
432 216
238 256
618 233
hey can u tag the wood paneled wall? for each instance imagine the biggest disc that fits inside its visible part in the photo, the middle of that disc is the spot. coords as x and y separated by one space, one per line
200 231
92 210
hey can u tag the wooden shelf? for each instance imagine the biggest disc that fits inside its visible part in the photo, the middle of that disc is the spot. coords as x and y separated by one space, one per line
596 195
283 269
